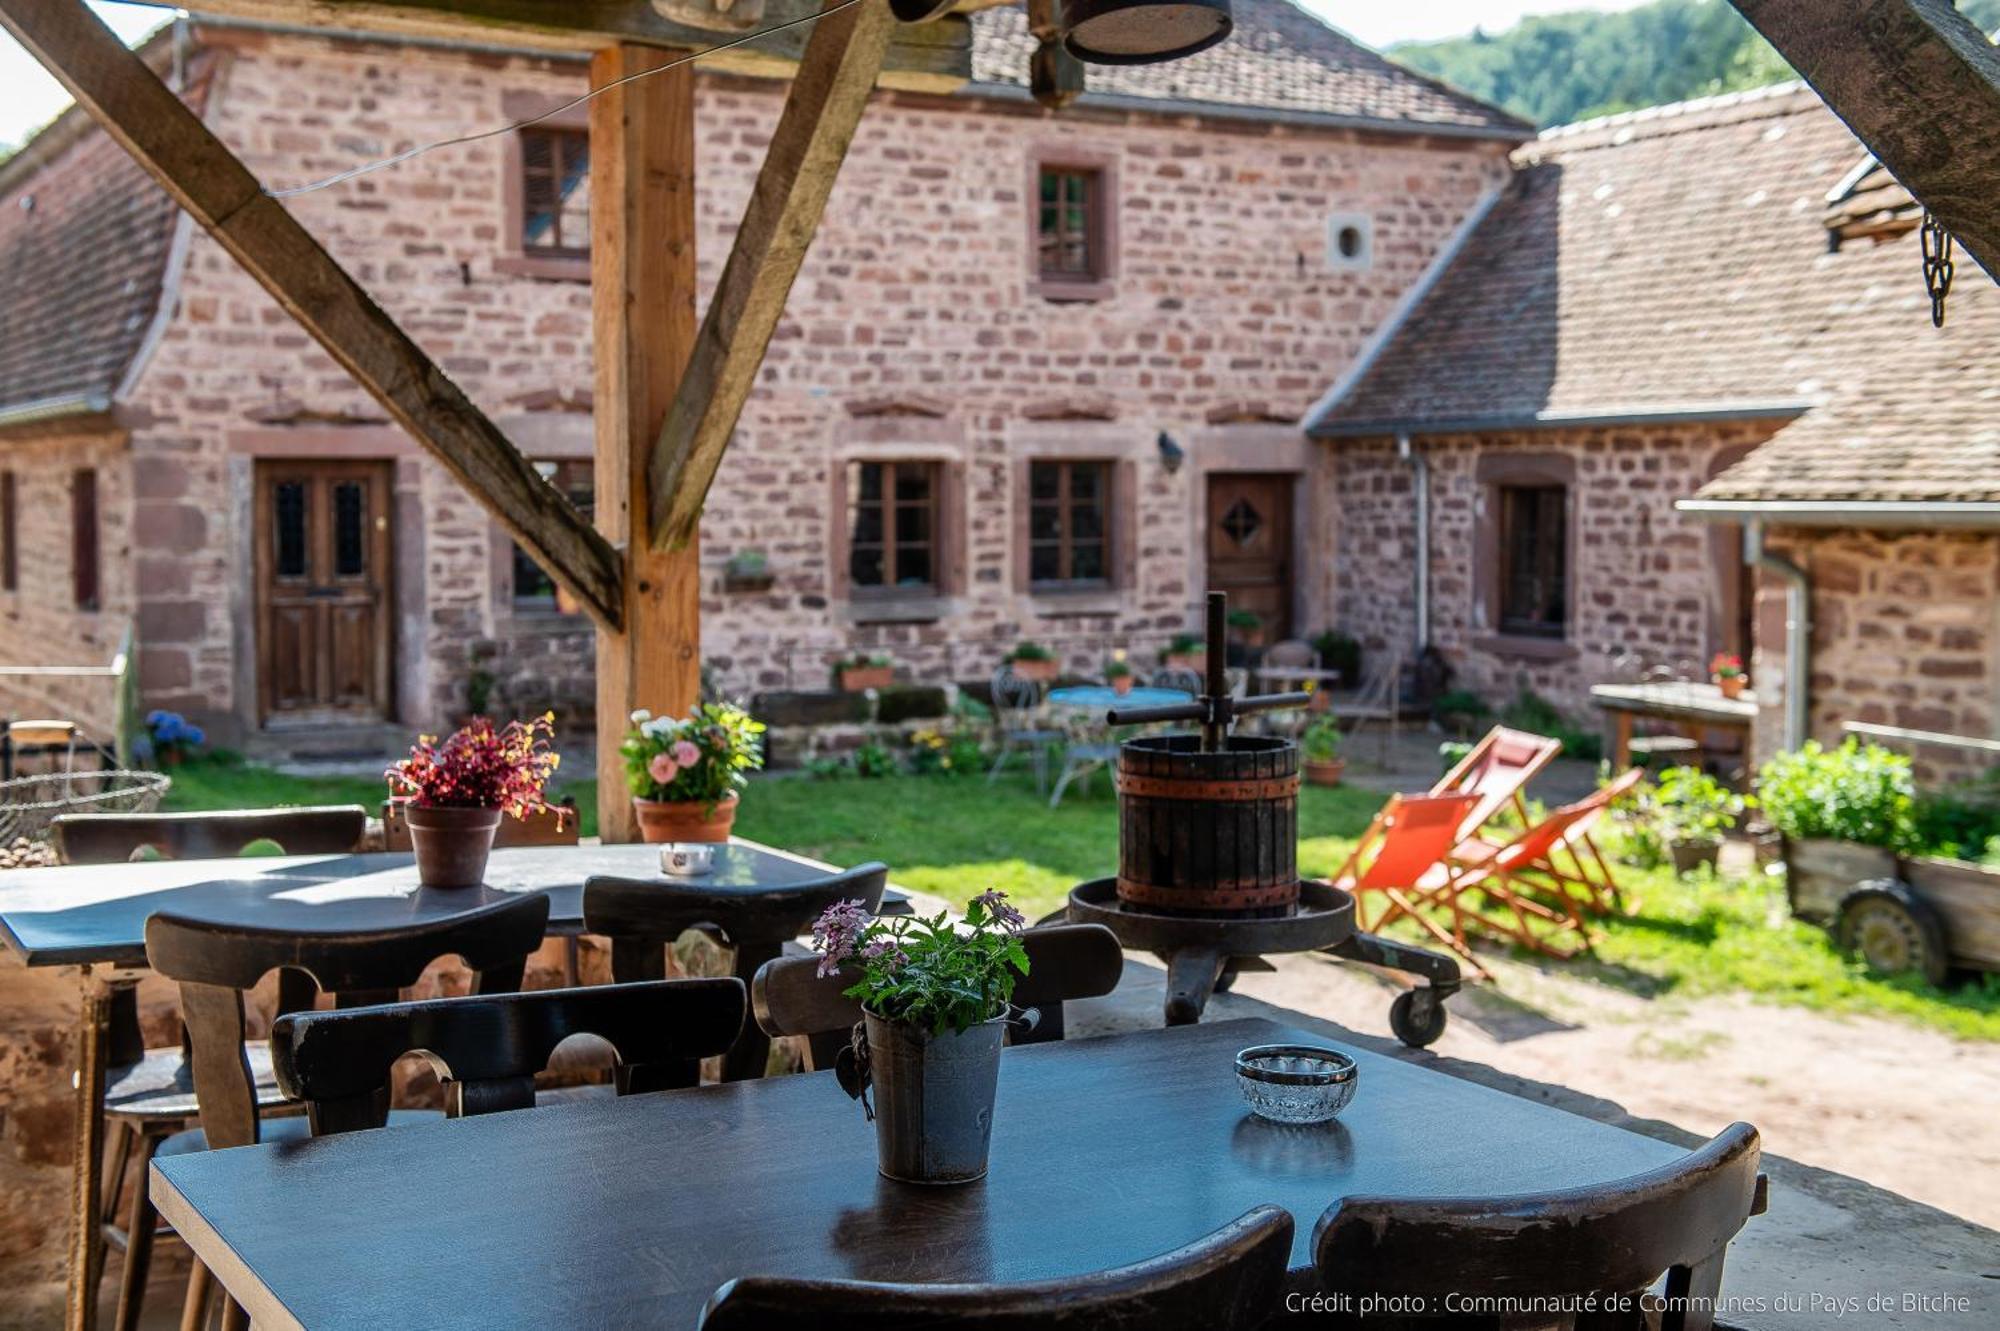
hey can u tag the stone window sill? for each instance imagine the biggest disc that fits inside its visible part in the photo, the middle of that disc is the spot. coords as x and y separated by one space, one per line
544 267
1057 602
897 609
1068 289
1526 648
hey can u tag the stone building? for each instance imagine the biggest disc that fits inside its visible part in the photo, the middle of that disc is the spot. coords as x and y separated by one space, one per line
1673 328
1039 374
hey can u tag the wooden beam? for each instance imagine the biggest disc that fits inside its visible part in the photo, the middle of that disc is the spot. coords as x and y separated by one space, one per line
1917 83
928 57
642 274
818 122
204 177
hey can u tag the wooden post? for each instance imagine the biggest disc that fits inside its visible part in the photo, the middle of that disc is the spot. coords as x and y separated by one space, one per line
642 269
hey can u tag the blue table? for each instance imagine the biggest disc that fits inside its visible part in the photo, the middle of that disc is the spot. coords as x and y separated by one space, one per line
1101 695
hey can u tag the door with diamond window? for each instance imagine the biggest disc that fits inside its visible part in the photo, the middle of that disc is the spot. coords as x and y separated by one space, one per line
1250 546
323 580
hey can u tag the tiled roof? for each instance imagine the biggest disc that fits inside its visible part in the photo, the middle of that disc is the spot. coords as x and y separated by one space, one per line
1646 262
1279 58
84 242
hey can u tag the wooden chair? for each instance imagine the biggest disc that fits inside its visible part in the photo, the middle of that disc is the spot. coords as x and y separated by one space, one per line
112 838
1611 1242
1230 1280
215 962
1065 961
643 916
486 1049
1406 850
1018 726
47 738
1379 699
1498 770
556 826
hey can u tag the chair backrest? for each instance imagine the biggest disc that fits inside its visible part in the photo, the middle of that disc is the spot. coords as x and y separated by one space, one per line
1381 682
641 916
1014 696
1065 961
1179 678
111 838
1564 825
486 1049
1497 769
1415 833
1613 1240
1231 1280
214 962
556 826
1292 654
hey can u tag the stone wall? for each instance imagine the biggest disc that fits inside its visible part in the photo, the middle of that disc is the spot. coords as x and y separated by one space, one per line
912 332
1906 632
40 624
1649 586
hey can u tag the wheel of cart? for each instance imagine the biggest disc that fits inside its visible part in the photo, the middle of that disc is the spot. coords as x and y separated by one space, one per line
1893 930
1417 1016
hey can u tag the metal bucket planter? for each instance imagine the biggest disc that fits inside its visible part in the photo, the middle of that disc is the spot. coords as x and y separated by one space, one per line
933 1097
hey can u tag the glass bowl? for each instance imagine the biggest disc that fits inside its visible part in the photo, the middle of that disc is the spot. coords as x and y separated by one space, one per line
1296 1083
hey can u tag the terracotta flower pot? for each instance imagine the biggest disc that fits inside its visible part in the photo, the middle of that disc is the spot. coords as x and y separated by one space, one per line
1043 671
1121 684
685 820
1326 773
859 679
451 844
1731 685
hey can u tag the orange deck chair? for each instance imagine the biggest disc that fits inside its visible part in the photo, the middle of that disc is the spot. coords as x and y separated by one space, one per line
1573 864
1497 770
1406 849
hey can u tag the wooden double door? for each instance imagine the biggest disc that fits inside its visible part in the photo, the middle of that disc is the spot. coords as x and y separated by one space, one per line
324 579
1249 544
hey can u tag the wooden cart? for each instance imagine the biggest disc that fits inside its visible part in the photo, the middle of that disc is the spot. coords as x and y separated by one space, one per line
1920 913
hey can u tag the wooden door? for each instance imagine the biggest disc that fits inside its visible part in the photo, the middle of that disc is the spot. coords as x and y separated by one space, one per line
323 584
1250 545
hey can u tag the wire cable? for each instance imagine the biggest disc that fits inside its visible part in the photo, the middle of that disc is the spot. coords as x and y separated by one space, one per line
419 150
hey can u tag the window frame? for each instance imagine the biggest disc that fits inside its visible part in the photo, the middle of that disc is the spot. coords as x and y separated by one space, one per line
1100 221
1499 468
550 603
86 541
10 529
891 544
1534 530
517 259
1065 541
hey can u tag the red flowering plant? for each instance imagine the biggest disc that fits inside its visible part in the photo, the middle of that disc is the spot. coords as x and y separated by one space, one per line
481 767
1726 665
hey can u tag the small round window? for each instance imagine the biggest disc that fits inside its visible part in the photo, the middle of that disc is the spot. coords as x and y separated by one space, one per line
1350 241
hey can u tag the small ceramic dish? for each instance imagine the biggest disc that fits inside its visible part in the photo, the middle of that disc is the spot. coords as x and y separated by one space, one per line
687 859
1296 1083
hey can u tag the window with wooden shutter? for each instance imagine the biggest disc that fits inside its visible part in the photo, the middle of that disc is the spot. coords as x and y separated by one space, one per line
555 192
1069 525
1534 560
84 539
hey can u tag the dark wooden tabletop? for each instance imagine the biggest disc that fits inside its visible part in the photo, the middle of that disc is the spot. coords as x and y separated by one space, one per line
97 913
631 1212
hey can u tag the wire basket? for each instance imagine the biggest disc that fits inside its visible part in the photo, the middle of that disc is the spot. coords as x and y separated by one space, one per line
28 804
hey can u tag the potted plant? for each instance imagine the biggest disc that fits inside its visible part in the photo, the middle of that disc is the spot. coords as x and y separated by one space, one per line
1320 746
1843 814
1727 672
454 793
1693 811
1187 651
1249 626
748 571
1118 674
684 773
1339 652
1031 660
173 737
934 1002
858 674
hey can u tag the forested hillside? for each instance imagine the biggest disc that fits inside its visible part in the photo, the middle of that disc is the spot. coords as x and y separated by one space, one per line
1564 67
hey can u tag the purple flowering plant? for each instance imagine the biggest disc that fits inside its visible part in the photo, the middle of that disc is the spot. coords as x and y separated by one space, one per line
927 972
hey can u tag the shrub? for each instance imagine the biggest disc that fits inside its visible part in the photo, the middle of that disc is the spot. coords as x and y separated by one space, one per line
873 761
945 753
1961 821
1459 709
1693 808
1857 792
1339 651
1533 713
173 735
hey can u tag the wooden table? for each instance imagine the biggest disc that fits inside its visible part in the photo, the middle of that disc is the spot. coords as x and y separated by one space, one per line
631 1212
94 917
1685 701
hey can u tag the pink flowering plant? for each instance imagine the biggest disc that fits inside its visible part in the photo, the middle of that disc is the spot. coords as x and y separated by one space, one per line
704 757
927 972
480 767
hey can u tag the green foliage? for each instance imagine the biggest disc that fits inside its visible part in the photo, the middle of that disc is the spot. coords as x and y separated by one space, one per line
1857 792
861 661
946 753
1557 68
1321 742
1451 753
1117 668
1693 808
1961 821
1538 716
1030 651
261 848
1245 621
1338 651
1184 644
927 972
703 756
1460 708
873 762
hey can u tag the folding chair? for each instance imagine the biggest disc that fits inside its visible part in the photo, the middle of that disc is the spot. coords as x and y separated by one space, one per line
1574 864
1379 699
1498 770
1407 848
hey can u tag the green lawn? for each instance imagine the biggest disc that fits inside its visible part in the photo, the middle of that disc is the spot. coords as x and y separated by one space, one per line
956 837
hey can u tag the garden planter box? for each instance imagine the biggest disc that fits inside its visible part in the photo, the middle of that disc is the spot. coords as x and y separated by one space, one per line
1966 898
859 679
1819 874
